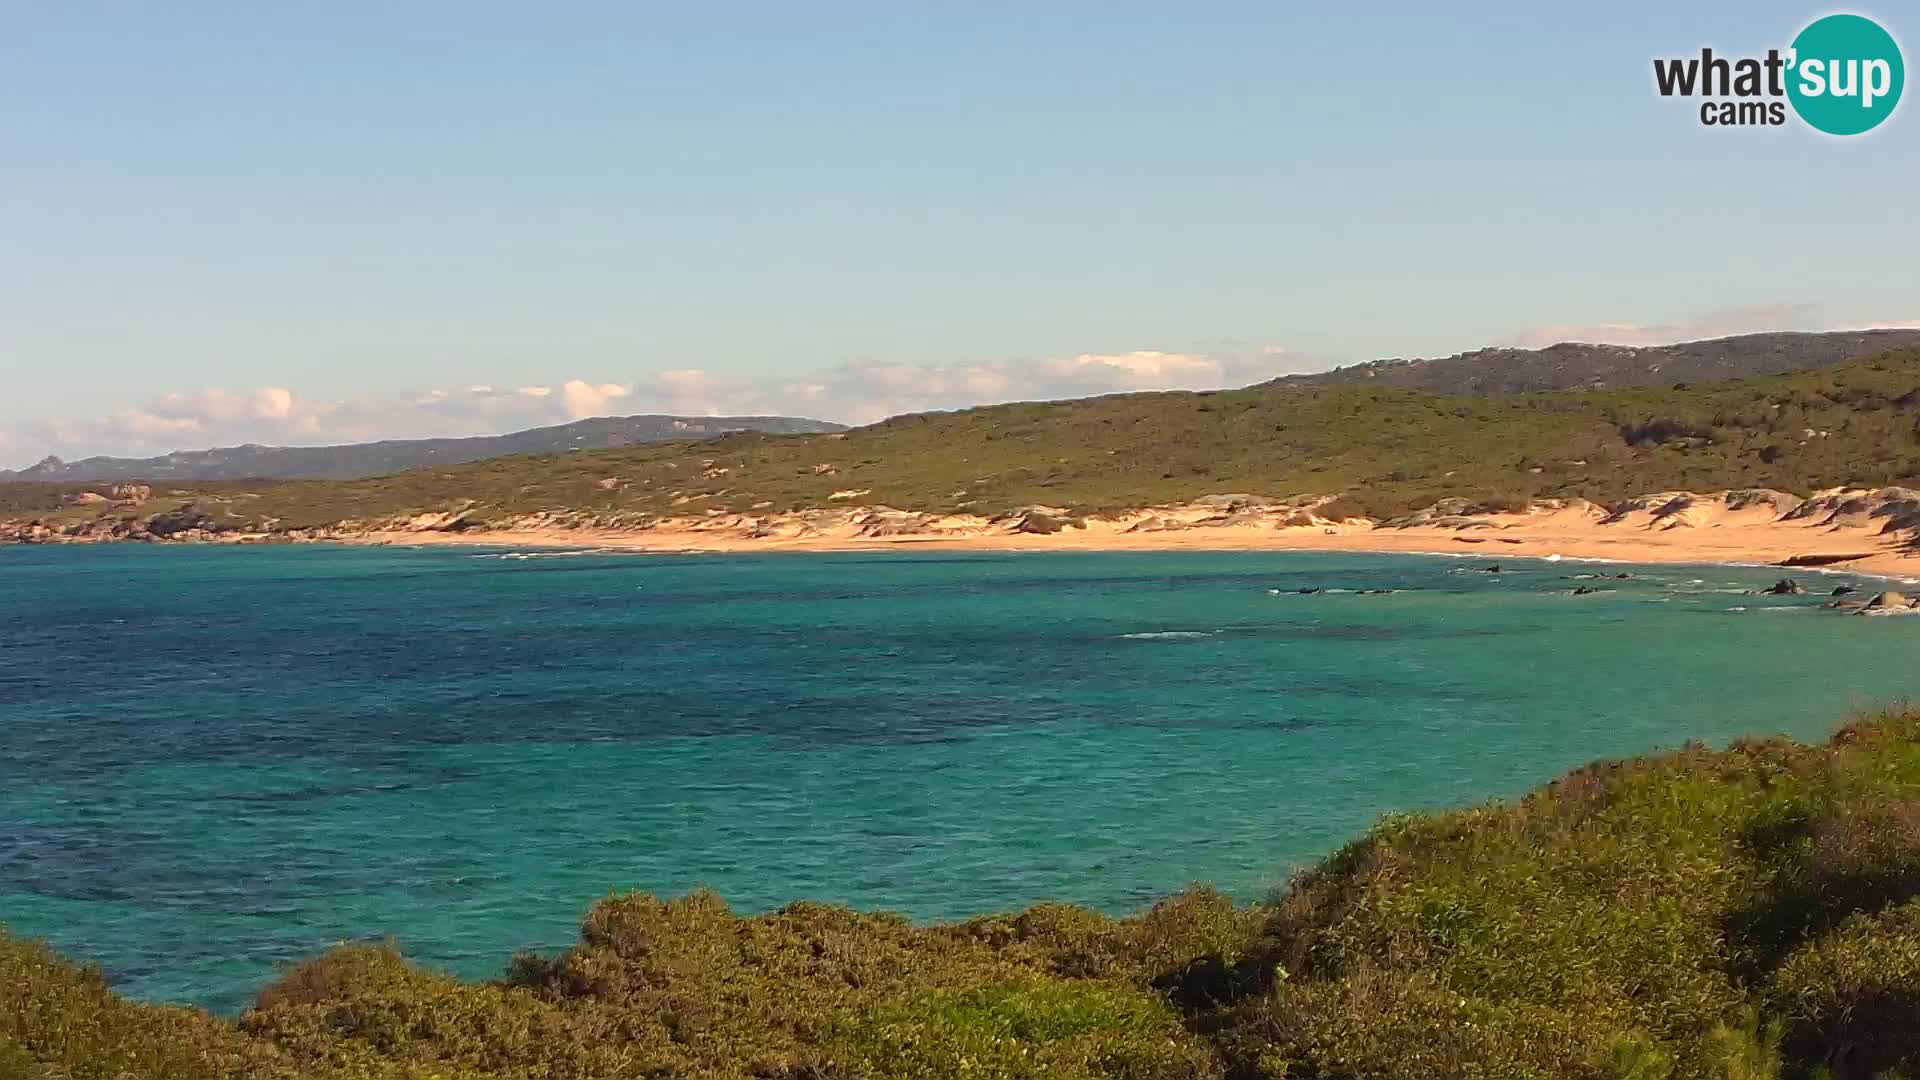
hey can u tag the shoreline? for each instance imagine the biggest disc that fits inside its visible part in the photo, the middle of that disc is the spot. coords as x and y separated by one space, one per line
1842 530
1750 546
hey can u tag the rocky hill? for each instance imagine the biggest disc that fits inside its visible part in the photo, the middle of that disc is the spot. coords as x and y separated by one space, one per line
378 458
1383 452
1573 365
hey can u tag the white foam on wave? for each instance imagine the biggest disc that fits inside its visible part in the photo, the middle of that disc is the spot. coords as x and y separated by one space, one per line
1175 635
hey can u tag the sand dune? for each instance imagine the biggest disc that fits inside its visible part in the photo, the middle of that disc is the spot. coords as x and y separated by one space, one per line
1863 530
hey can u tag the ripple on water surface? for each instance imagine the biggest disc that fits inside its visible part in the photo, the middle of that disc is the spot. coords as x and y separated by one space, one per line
217 761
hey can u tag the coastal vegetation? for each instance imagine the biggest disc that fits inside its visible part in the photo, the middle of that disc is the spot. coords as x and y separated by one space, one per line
1573 365
1752 912
1385 451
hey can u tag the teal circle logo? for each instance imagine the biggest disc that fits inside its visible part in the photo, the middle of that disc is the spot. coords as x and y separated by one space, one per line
1845 74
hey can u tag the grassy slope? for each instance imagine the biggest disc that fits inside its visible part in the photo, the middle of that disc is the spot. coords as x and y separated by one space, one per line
1393 449
1575 366
1398 449
1749 913
40 499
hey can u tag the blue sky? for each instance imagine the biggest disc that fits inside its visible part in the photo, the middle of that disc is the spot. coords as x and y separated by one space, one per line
299 223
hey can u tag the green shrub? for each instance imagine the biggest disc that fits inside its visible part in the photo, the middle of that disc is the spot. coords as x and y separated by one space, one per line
1173 940
1851 999
1379 1023
60 1020
359 1009
1034 1029
1747 914
1346 508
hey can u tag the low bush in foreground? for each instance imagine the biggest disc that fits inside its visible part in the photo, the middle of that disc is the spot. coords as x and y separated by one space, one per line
1745 914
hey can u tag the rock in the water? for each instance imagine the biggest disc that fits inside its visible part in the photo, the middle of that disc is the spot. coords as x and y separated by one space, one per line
1787 587
1493 569
1583 590
1890 599
1844 590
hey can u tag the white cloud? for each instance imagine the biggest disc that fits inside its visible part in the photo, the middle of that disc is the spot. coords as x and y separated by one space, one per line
865 392
273 403
141 422
1907 324
852 393
1726 322
1714 324
584 399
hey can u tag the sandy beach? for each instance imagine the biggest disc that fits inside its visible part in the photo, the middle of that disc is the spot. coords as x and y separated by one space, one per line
1707 529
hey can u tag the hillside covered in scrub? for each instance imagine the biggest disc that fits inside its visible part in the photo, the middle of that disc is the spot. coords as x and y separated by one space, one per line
1388 451
1574 365
1748 913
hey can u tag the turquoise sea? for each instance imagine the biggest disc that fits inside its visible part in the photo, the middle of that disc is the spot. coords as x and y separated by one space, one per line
217 761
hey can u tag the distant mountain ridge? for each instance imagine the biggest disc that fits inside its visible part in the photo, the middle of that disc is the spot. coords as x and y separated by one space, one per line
1572 365
355 460
1489 372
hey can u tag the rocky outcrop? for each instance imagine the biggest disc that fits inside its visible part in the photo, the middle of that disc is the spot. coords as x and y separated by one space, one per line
459 520
885 521
1038 523
1780 502
848 517
1856 507
1890 602
1652 504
